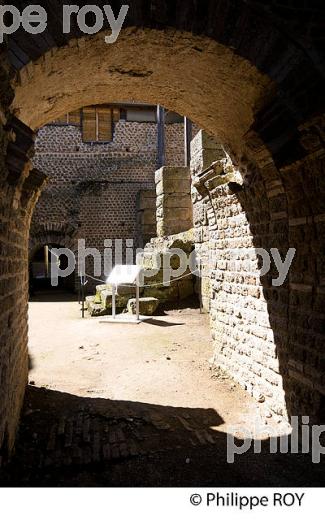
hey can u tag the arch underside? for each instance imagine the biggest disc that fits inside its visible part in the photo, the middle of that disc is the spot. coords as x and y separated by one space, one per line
191 75
265 106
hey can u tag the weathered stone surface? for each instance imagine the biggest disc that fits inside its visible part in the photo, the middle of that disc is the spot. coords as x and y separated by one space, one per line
120 291
203 160
96 309
20 189
99 183
106 300
203 141
103 298
147 306
165 294
171 186
253 323
152 53
174 206
159 257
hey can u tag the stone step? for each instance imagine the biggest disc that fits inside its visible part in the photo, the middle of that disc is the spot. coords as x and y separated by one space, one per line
147 306
96 309
121 291
106 300
89 300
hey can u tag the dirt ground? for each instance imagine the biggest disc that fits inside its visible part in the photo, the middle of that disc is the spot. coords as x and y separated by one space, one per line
123 405
163 361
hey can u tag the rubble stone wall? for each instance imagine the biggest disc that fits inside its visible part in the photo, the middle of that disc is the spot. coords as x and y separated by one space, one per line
267 337
100 191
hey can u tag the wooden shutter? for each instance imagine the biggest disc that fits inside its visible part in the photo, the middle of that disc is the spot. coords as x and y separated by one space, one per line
62 120
104 124
74 117
89 126
116 114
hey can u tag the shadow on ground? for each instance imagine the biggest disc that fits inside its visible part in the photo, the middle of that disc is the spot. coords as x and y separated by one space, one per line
66 440
53 295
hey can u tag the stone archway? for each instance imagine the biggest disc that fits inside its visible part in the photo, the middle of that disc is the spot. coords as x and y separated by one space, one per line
275 145
148 66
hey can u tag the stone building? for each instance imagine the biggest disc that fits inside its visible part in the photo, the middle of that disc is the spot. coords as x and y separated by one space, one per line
252 75
100 188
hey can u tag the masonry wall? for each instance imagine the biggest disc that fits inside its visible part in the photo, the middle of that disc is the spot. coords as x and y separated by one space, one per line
267 338
19 189
174 207
13 287
13 319
244 329
94 190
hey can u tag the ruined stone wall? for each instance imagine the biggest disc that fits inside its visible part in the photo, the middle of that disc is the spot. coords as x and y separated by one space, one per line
204 151
304 186
269 338
174 208
242 323
146 216
270 64
94 190
13 319
161 277
248 315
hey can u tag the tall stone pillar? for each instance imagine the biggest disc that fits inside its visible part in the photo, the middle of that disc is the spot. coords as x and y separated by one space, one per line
174 205
204 151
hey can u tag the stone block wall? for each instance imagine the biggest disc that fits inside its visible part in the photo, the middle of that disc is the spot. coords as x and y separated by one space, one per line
100 191
159 258
242 326
13 319
229 224
260 331
210 167
174 206
19 190
204 151
13 287
268 338
146 216
304 185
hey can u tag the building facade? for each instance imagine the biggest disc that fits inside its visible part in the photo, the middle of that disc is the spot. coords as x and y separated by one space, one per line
101 181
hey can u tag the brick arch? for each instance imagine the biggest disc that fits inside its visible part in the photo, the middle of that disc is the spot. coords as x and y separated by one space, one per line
52 233
63 237
244 91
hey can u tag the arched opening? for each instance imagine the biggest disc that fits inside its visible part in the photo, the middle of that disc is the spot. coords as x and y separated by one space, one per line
40 267
223 111
166 67
256 325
